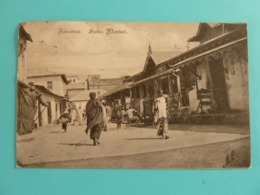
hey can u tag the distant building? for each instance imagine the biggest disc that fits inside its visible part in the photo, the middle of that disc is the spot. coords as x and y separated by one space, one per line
74 89
82 98
73 78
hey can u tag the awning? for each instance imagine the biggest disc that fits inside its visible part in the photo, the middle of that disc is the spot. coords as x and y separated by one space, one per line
45 90
171 71
116 89
182 63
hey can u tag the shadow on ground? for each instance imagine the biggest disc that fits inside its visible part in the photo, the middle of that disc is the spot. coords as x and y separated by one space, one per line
144 138
26 140
76 144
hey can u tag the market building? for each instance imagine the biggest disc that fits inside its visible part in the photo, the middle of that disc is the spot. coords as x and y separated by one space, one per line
207 83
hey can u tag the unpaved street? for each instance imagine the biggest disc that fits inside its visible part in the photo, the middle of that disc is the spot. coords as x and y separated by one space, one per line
132 147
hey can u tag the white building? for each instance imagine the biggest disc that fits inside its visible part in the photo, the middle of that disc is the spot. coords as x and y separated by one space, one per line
52 87
52 81
73 78
56 105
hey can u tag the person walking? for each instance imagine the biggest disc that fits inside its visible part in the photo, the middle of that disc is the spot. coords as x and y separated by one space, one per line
162 115
118 115
64 119
95 118
73 113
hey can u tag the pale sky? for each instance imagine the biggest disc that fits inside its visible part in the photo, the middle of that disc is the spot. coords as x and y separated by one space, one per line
70 48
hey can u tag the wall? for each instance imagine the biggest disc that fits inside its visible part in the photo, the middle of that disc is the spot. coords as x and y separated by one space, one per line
57 83
55 113
236 77
73 92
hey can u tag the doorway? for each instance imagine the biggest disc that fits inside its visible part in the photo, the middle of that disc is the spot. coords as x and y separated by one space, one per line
218 85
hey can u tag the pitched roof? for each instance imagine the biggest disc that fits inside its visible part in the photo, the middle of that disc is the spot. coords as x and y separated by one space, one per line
117 89
208 51
201 29
206 26
158 58
84 95
45 90
161 56
38 88
212 43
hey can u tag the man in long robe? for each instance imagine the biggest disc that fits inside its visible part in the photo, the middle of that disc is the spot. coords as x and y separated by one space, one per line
162 114
95 118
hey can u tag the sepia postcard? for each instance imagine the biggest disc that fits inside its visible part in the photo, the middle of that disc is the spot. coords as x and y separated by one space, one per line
132 95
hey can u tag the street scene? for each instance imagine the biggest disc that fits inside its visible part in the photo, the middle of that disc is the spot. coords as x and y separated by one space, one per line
189 146
132 95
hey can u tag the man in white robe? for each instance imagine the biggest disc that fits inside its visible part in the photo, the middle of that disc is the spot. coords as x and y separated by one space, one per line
161 107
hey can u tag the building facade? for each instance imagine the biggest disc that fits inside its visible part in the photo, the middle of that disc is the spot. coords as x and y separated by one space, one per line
53 89
56 104
56 83
207 82
73 89
24 37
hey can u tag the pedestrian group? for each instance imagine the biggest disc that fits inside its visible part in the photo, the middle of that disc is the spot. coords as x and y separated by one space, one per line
98 114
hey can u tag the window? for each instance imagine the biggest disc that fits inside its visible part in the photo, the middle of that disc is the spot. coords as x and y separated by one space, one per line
49 85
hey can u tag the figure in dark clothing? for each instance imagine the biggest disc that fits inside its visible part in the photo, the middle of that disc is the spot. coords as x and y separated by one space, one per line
95 118
118 115
27 107
64 119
